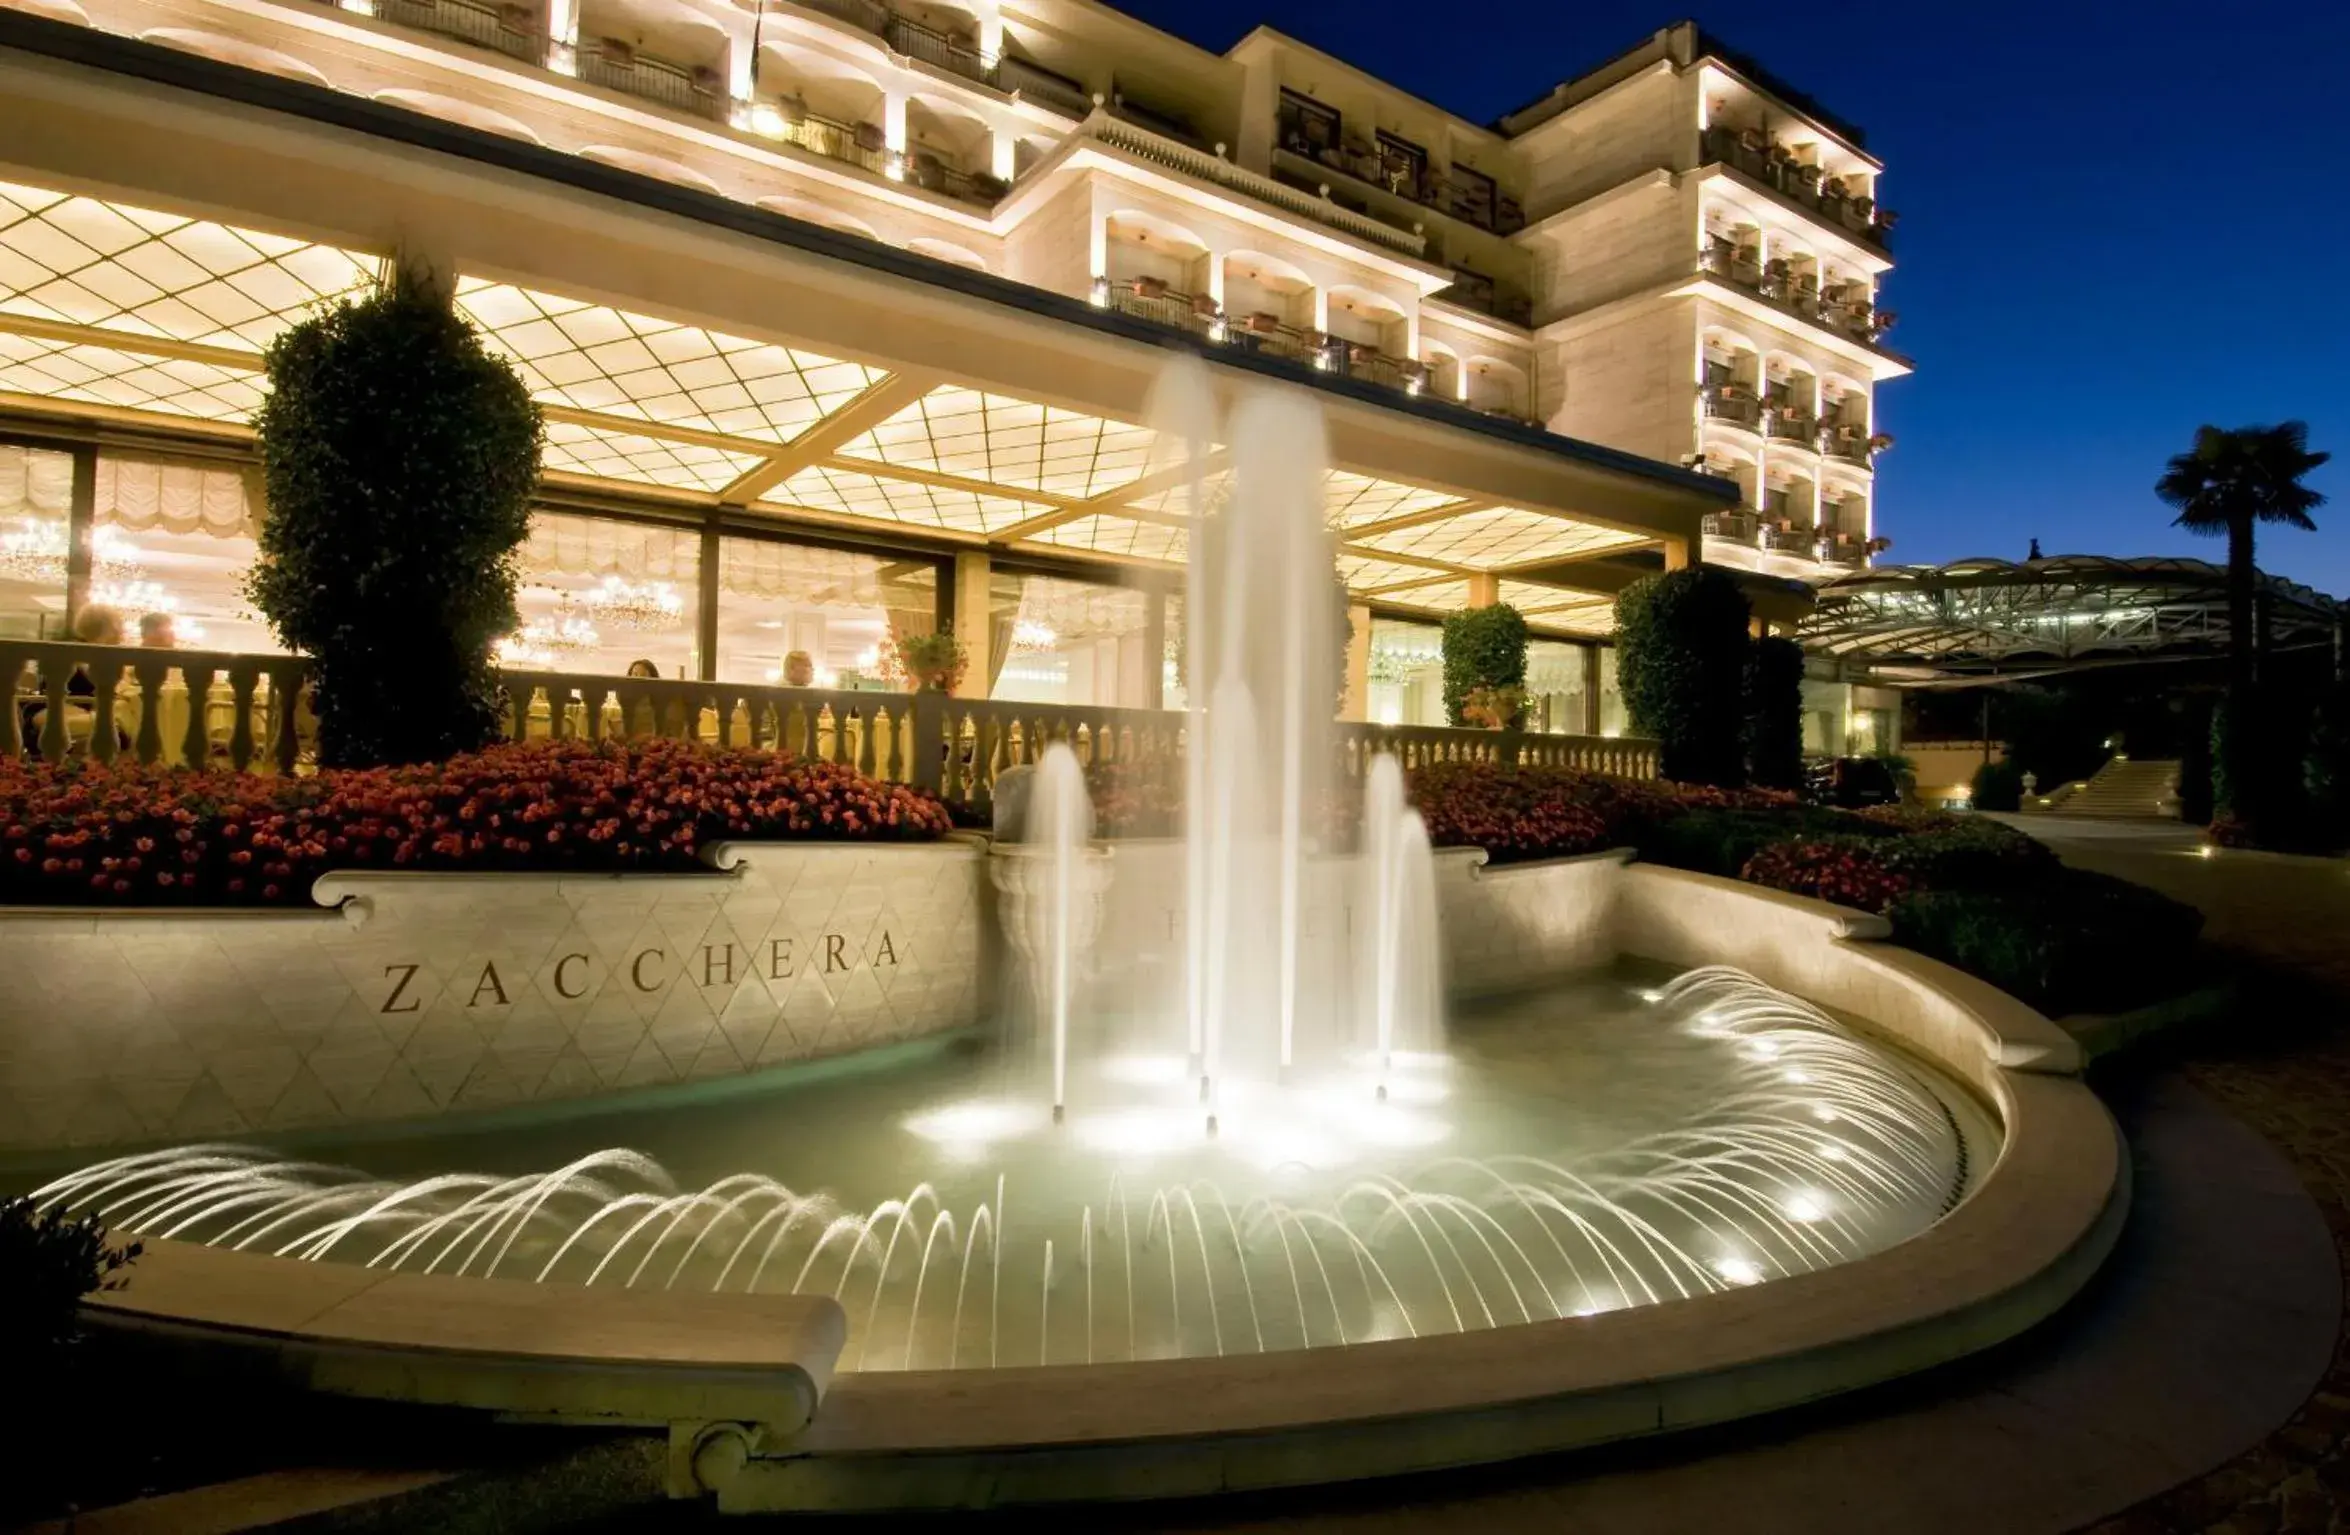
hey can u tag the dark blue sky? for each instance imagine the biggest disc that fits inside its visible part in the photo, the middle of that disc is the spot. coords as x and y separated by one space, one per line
2117 221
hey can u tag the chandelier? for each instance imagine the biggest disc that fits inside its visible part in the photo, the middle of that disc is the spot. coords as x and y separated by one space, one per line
37 552
1033 637
629 604
537 643
134 596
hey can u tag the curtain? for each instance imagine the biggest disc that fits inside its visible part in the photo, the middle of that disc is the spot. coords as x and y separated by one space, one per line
139 495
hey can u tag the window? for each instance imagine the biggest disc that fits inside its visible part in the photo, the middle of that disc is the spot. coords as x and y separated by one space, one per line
798 616
1407 673
1308 127
603 597
1557 683
1055 641
36 491
1613 718
1403 165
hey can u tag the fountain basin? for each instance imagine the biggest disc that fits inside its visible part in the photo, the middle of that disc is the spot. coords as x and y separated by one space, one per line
2025 1237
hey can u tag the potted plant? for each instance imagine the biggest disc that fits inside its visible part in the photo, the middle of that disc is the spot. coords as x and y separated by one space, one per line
799 669
1493 708
934 661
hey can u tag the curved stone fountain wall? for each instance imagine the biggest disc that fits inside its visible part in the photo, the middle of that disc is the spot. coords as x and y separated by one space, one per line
421 994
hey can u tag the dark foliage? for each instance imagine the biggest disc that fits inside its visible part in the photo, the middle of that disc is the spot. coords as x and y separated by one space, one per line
1774 713
1483 648
2065 941
1999 785
399 456
1681 647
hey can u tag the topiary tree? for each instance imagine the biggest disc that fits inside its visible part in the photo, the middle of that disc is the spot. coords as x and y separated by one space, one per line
1484 648
399 456
1998 785
1681 649
1774 712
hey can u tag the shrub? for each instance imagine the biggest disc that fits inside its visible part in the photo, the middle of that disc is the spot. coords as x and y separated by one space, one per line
1515 814
1850 871
126 834
1721 841
1999 786
1774 712
1681 663
48 1262
2195 766
399 456
2067 941
1484 648
934 660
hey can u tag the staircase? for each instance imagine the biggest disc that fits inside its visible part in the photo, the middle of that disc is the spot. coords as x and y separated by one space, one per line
2126 787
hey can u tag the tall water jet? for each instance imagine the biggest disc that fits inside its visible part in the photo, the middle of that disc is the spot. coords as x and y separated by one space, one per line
1060 825
1395 949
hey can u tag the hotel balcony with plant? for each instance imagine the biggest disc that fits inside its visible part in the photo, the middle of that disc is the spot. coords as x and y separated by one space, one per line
1775 138
1795 281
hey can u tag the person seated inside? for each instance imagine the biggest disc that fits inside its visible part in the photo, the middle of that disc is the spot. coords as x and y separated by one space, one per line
91 626
644 668
158 632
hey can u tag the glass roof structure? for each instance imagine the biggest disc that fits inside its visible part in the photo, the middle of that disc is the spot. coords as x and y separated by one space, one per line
1997 615
115 309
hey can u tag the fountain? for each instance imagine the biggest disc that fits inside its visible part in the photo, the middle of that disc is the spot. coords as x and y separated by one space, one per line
1278 1150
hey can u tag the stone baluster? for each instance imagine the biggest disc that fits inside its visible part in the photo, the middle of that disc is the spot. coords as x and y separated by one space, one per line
242 674
150 672
105 676
196 735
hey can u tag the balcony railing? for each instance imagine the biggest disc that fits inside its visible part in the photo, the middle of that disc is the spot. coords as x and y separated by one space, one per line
1766 160
1174 155
1474 290
511 30
251 714
1791 540
1033 81
1429 189
672 85
1267 334
1741 267
1852 444
1741 526
1789 423
1734 403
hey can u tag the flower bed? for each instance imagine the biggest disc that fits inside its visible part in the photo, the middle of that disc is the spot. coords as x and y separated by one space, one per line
123 834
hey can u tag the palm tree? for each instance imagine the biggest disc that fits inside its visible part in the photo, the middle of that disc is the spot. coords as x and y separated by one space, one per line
2225 485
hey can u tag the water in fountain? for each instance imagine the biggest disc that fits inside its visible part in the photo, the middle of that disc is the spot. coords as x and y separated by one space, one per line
1255 1138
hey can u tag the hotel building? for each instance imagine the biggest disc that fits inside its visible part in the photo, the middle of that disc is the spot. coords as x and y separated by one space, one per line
844 318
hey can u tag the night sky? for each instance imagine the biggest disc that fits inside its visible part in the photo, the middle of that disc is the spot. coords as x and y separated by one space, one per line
2117 221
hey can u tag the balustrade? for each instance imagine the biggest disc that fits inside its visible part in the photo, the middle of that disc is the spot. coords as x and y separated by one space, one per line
250 713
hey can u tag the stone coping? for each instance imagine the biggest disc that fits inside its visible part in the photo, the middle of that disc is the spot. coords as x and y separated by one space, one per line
603 1356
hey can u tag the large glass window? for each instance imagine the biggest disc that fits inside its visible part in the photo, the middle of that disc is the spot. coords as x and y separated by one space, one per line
798 616
36 490
1613 718
1056 641
607 598
1407 673
1557 687
170 548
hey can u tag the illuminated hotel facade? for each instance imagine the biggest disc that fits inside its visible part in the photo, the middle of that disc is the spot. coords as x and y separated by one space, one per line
844 319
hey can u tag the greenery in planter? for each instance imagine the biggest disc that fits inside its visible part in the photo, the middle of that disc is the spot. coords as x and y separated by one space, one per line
399 456
1484 648
1681 646
1999 786
48 1262
2066 941
935 660
1774 713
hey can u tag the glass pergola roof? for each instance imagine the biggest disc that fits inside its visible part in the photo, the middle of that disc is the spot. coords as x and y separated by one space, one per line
1986 615
128 309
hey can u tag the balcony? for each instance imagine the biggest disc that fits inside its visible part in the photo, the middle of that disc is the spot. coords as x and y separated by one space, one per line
1849 443
1782 422
1474 290
617 67
511 30
1765 160
1733 403
910 38
1265 334
1312 131
1173 154
1844 309
1789 539
1743 526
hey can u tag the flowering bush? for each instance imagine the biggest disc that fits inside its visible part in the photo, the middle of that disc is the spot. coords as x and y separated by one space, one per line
1850 871
133 835
1516 814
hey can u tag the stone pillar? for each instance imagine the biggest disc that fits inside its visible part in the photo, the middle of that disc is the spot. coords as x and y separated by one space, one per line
80 529
1154 650
1591 690
893 133
706 607
1484 589
1357 706
974 575
1681 553
991 32
1003 161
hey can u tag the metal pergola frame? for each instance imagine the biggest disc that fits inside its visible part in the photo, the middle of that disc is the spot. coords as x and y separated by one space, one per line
1987 616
